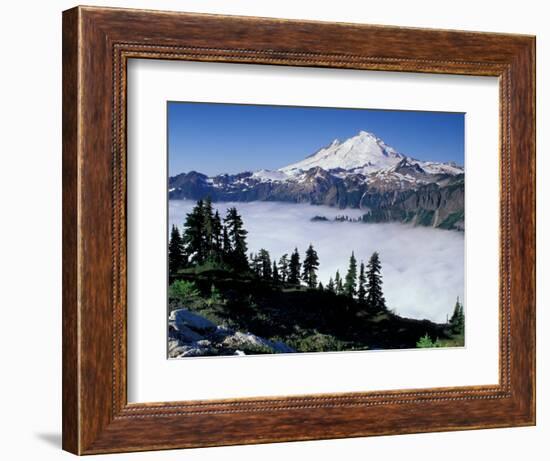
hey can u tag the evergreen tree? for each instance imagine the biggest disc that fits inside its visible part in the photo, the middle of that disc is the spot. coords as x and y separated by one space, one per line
217 236
256 264
283 268
320 287
375 297
208 225
330 287
237 238
361 285
339 286
455 312
194 235
275 274
351 277
425 342
176 257
294 268
462 319
226 244
265 264
457 319
310 267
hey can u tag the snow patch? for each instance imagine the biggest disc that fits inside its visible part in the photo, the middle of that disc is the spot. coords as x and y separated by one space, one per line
364 153
270 175
441 168
363 150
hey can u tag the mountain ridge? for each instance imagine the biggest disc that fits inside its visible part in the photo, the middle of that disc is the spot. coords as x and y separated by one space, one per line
360 172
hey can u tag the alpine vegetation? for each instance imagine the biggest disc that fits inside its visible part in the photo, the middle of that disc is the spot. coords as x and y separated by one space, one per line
260 303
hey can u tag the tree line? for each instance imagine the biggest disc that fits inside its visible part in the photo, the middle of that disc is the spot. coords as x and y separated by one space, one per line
456 326
363 285
209 238
457 320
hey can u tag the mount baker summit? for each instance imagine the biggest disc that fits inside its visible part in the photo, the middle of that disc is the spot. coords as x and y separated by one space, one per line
361 172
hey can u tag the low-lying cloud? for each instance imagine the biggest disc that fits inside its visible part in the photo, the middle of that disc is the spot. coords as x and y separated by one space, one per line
422 268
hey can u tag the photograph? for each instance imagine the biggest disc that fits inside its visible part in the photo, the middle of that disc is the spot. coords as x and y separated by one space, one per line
313 229
280 225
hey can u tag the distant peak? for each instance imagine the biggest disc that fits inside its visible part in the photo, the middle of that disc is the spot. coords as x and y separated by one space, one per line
364 149
365 134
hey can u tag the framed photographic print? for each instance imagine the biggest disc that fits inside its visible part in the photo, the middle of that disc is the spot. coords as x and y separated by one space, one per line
280 230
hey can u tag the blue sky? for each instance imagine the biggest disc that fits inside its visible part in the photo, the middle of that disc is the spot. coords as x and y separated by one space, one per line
232 138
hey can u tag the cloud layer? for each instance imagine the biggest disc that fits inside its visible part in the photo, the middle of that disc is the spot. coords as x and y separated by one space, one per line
422 268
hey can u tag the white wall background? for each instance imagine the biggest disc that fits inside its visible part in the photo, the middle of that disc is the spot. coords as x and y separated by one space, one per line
30 243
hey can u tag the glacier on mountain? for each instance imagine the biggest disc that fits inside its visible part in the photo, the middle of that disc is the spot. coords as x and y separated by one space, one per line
364 150
364 154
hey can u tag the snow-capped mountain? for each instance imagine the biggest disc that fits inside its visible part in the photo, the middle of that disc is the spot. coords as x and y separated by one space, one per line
360 172
362 153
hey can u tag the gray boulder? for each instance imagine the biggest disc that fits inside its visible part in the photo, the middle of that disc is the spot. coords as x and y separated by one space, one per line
190 335
184 318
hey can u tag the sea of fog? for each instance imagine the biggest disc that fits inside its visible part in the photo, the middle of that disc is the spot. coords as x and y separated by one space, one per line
422 268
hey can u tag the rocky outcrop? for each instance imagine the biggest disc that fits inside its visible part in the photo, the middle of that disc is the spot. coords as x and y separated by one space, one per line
191 335
429 205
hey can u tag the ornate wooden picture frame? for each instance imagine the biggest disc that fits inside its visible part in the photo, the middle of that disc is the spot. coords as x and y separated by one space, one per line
97 44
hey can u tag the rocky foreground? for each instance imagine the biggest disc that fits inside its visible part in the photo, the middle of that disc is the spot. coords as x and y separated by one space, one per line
190 335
